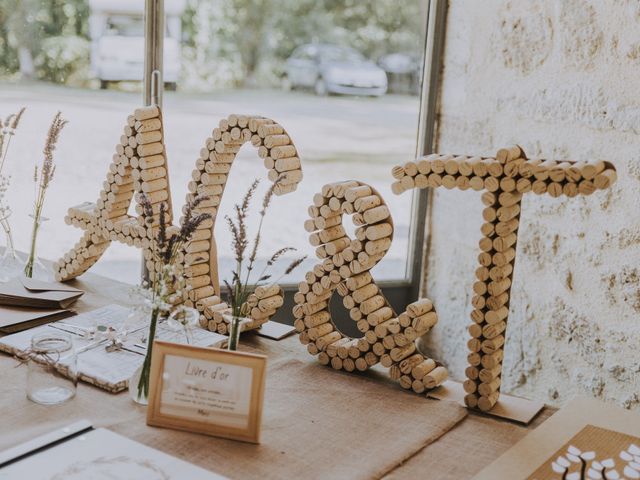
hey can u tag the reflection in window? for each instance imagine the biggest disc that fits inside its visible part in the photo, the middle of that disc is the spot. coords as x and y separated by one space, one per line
341 76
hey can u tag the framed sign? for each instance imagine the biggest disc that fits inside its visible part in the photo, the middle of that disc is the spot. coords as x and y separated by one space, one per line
207 390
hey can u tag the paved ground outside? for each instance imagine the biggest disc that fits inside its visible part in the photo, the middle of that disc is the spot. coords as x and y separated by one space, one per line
337 137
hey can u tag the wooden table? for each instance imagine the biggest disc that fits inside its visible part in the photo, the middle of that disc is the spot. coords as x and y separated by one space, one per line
460 453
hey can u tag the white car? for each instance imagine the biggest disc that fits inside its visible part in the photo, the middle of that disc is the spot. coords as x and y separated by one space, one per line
333 69
117 33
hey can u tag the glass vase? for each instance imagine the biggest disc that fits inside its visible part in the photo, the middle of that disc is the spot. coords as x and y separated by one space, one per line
184 319
10 263
138 397
34 267
236 326
52 369
139 381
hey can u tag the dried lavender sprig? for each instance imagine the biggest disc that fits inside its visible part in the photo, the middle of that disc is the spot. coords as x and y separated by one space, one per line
8 130
46 176
292 266
274 258
48 167
266 201
241 217
16 118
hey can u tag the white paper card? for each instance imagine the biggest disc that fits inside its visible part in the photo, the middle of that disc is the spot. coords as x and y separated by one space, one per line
206 391
101 454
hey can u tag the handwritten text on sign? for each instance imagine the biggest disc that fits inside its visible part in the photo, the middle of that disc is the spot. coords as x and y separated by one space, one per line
206 391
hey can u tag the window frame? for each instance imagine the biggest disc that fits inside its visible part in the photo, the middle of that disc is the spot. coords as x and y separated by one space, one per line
399 292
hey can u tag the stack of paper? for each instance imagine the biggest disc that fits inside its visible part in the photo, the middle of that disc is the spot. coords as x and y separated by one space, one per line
25 303
107 368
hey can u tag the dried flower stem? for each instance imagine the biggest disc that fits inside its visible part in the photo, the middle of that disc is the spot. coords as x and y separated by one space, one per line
8 129
42 182
167 281
239 290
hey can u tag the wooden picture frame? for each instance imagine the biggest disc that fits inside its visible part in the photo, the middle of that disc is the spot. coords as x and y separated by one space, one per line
206 367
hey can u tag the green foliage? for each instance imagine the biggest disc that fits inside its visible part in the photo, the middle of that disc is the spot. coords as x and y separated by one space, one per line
226 43
247 41
63 59
33 26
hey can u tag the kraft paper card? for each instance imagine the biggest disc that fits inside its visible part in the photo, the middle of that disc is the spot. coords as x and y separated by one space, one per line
586 439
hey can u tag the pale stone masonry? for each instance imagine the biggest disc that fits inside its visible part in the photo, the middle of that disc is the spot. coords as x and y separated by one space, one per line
563 80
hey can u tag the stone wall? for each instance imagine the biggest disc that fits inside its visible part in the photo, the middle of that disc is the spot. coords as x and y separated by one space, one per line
562 79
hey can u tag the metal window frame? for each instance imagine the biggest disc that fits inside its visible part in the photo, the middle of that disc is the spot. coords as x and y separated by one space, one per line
399 292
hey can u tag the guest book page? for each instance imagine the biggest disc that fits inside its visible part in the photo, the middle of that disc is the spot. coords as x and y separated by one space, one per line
211 391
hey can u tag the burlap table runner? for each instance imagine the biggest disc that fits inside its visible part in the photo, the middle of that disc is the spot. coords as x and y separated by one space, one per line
466 449
317 424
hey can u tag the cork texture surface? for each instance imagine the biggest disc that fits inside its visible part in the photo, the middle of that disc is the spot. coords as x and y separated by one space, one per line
560 79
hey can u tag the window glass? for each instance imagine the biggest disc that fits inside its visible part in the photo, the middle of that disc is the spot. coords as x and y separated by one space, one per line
125 26
353 115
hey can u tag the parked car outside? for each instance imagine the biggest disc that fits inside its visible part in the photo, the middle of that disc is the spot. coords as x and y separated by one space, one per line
117 41
333 69
404 72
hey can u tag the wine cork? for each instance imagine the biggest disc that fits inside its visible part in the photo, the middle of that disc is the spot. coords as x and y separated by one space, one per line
287 164
151 162
492 360
380 315
202 292
407 365
505 155
590 170
367 203
321 330
400 353
405 382
493 330
424 323
570 189
265 291
488 375
417 386
424 166
323 358
605 179
486 403
411 169
150 149
398 172
490 346
376 214
372 304
470 386
143 138
586 187
326 340
471 373
333 348
419 371
145 113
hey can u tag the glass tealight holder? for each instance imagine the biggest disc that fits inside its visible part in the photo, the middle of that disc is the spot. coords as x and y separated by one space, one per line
52 369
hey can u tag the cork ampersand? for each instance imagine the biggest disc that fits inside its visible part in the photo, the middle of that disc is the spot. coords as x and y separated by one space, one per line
504 180
140 166
344 266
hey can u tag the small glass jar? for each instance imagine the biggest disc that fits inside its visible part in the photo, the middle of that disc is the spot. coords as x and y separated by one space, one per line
52 371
